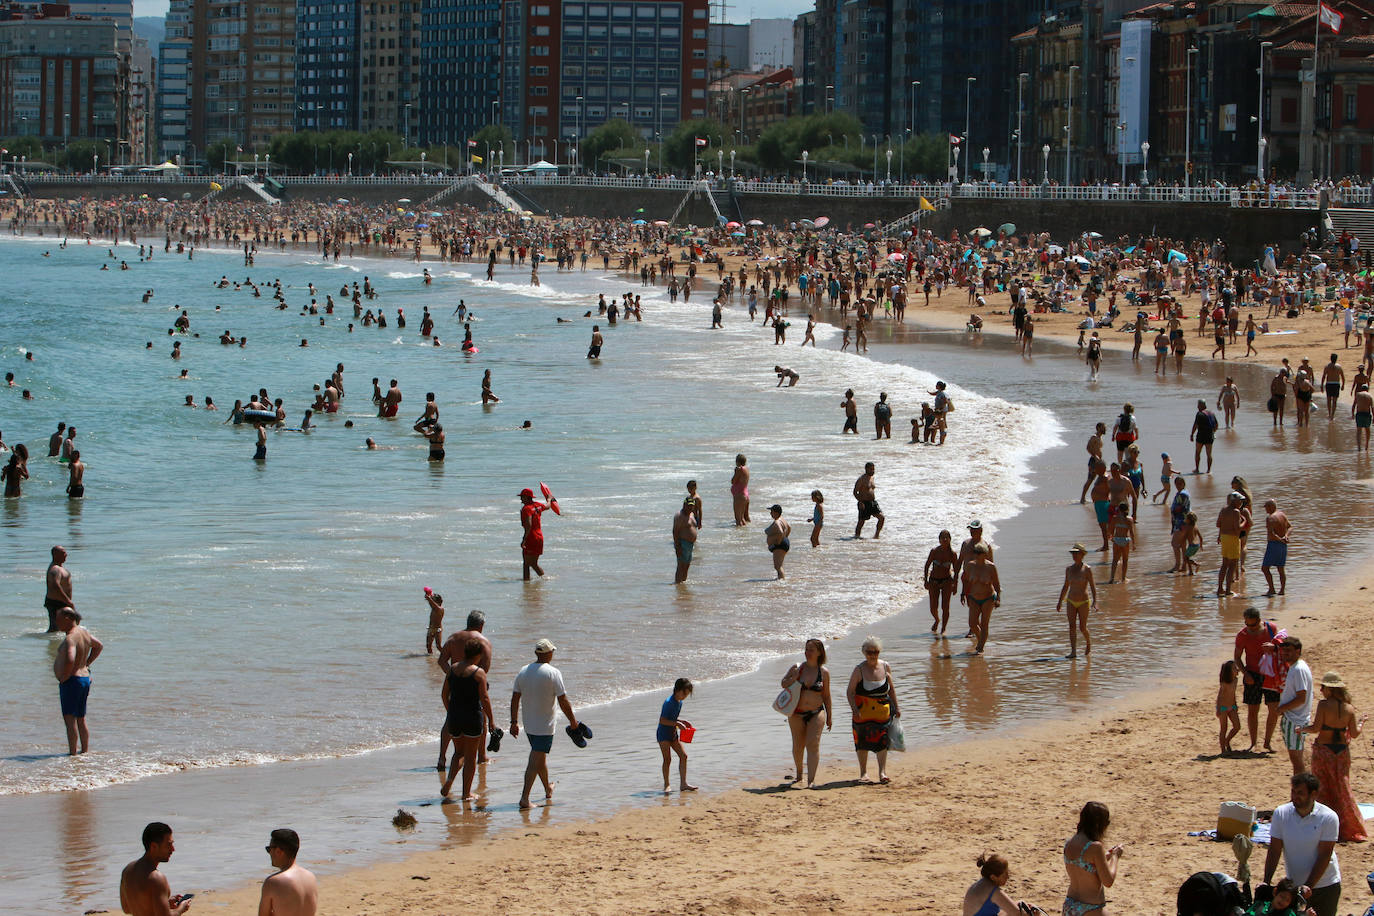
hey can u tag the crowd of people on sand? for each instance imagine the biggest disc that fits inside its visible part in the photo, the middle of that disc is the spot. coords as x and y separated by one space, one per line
841 271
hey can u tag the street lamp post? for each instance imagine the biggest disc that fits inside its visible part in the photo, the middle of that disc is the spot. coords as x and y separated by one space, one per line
646 163
829 98
1188 123
732 165
968 109
955 176
805 156
350 164
1259 114
423 154
1145 163
1068 133
580 108
743 103
1121 149
911 125
889 166
720 163
1020 87
1045 151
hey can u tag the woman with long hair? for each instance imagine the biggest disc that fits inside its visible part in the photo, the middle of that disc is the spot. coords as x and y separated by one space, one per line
1335 724
1090 864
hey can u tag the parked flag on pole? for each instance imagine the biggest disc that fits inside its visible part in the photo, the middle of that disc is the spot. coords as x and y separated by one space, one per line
1329 17
955 140
477 159
926 205
701 141
472 144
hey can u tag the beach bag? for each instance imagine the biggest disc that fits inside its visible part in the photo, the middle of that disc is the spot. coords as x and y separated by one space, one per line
1273 405
1206 894
896 737
787 699
1212 420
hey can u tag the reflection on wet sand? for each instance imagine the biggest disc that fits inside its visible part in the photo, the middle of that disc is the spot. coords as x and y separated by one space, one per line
82 869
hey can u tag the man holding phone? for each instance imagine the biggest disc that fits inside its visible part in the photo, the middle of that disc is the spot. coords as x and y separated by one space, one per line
143 890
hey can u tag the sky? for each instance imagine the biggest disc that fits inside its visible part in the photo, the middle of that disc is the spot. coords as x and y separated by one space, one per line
740 10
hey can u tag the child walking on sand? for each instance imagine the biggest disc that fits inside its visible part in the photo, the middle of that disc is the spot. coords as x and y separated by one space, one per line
817 517
434 636
1166 476
670 725
1187 541
1228 710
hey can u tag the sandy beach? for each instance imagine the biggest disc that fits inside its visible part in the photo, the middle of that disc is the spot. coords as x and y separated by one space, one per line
910 846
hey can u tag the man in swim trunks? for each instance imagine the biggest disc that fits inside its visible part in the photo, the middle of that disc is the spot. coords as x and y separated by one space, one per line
59 587
1333 382
452 654
1277 528
851 413
1094 457
1362 409
865 491
1101 497
1230 524
594 351
1251 643
1203 434
72 668
1081 593
532 545
391 401
540 684
76 472
684 537
1278 396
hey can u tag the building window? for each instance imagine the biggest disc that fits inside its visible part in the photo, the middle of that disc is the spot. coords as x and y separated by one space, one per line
1351 112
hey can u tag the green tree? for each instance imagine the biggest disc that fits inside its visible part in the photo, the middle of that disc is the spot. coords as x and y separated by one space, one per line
616 134
497 137
27 147
680 148
216 154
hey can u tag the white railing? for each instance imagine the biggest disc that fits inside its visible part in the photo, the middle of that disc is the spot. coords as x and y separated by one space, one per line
1272 197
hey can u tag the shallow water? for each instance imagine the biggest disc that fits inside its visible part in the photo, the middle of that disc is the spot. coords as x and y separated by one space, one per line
261 613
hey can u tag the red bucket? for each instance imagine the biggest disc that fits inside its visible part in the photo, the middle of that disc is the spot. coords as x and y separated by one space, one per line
685 734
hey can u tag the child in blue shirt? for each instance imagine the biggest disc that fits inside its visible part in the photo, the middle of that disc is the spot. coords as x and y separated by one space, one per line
669 722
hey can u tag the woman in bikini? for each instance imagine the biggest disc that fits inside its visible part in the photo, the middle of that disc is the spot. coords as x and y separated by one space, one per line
812 714
1336 724
1080 592
938 579
1122 531
987 898
1091 866
739 490
981 592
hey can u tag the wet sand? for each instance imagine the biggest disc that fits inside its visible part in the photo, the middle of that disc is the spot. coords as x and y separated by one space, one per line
1143 745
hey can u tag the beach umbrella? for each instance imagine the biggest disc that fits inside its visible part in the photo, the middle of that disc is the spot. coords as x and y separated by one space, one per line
870 226
754 222
989 243
1007 228
982 232
1176 255
738 235
664 222
822 222
807 223
341 200
403 200
162 200
1055 249
732 225
639 222
1081 261
896 257
1092 235
422 225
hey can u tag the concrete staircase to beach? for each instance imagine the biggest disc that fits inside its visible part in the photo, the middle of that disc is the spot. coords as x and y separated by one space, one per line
260 190
497 194
913 219
1358 222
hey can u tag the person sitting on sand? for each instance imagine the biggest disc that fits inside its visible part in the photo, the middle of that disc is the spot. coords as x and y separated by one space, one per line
1091 865
292 890
986 897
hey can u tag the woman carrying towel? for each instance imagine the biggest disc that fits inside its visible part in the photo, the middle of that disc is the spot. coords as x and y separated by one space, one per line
873 701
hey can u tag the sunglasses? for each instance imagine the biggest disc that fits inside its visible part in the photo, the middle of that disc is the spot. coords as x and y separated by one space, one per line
870 651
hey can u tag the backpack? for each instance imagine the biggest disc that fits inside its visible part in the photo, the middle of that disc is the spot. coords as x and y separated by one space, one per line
1205 894
882 411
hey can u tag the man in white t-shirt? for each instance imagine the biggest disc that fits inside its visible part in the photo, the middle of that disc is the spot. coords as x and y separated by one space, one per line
1304 833
540 685
1295 700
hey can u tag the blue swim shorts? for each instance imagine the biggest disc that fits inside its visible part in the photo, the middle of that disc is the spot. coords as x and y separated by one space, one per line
541 743
74 692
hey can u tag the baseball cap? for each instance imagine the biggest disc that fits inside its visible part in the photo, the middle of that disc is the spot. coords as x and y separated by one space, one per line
975 525
544 646
527 492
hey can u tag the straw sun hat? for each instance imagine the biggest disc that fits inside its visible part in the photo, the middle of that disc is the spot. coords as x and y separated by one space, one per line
1332 679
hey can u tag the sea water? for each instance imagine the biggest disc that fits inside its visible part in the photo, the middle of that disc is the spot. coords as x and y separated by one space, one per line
263 611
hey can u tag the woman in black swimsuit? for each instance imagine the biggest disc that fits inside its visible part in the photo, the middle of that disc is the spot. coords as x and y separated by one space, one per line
938 578
812 713
465 698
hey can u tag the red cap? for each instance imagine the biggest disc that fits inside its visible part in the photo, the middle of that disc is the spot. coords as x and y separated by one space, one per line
527 492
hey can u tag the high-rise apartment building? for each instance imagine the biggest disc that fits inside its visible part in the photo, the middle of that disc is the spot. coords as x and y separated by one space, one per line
243 63
61 78
573 65
174 91
460 64
390 46
328 64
